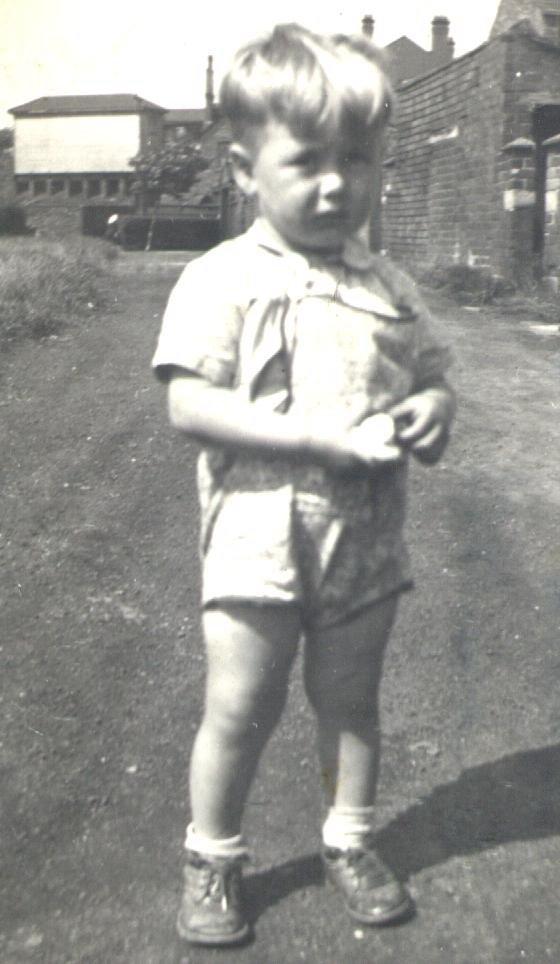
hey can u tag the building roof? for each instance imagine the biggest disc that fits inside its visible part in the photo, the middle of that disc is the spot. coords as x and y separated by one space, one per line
407 59
184 117
85 104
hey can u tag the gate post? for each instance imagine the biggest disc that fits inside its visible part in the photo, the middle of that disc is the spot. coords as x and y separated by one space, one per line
551 246
519 206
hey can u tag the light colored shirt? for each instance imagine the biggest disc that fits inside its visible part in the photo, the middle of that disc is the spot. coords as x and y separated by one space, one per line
309 334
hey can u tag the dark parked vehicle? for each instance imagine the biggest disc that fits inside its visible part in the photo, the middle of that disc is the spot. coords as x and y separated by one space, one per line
193 228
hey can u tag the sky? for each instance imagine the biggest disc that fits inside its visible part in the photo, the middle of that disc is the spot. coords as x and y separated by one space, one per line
160 50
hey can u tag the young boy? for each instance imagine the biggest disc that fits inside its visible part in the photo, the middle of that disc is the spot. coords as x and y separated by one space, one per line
305 366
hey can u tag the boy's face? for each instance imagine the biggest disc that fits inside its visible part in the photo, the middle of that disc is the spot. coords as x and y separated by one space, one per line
314 191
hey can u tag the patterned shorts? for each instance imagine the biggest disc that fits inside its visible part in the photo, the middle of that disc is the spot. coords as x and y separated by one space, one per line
276 547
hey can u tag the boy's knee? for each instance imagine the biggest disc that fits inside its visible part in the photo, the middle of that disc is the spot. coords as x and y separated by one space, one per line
344 699
236 708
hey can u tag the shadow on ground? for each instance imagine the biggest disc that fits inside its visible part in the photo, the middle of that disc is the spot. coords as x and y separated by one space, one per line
508 800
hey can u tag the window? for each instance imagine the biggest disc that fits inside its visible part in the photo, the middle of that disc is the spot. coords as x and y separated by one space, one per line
93 187
22 185
57 185
112 186
39 186
76 188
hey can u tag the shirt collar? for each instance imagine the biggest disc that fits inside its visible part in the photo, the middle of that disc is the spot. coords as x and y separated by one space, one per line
354 255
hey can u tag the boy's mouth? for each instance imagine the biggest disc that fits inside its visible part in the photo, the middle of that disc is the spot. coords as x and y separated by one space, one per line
331 218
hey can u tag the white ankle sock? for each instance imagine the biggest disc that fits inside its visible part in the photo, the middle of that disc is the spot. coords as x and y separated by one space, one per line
214 846
346 827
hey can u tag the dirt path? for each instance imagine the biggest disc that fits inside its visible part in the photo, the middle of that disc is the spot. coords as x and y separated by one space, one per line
102 670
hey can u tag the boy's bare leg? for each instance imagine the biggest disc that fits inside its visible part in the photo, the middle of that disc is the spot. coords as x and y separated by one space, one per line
250 650
343 672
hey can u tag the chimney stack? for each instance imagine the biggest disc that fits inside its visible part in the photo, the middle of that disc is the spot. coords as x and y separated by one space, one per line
442 45
367 26
210 90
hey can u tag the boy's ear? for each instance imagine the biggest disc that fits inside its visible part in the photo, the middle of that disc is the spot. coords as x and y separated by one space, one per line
242 164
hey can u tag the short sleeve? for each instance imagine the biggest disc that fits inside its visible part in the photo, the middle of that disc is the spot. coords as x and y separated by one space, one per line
431 357
202 321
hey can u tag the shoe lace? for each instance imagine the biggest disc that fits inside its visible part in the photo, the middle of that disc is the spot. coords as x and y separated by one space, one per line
220 886
366 865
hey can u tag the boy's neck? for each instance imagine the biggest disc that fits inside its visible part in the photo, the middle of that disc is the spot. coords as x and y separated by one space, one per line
354 254
283 244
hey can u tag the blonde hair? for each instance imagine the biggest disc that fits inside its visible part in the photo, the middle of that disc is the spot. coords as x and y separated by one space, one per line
308 82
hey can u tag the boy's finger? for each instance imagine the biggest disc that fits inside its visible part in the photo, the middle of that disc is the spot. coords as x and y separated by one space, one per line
427 440
414 430
387 454
402 410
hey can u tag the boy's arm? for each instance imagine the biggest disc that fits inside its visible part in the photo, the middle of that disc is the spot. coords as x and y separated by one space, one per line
424 418
220 415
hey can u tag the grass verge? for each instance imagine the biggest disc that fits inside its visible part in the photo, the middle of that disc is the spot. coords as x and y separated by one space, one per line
478 287
46 285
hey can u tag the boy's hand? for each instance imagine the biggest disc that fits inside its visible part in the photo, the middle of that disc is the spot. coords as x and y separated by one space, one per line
374 441
423 422
370 442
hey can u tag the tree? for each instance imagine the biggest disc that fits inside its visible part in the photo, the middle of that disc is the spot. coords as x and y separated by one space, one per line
6 138
171 169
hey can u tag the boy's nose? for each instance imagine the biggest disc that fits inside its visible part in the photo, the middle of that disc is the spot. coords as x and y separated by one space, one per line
332 184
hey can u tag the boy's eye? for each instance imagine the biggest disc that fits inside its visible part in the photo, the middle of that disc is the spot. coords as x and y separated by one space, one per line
309 160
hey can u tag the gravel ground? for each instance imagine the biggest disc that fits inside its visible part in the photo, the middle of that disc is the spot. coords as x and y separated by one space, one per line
102 669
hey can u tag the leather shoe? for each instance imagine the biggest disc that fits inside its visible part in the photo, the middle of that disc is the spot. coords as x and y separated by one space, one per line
372 894
211 909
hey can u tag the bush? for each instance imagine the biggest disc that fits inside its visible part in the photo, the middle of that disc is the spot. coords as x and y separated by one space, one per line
475 286
44 285
12 220
536 303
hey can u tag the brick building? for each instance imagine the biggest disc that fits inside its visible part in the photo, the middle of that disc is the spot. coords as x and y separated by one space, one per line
191 122
472 172
408 60
80 146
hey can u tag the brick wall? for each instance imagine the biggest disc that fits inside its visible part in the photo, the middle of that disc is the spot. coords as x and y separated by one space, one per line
440 188
455 191
446 233
531 113
531 78
51 218
151 131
